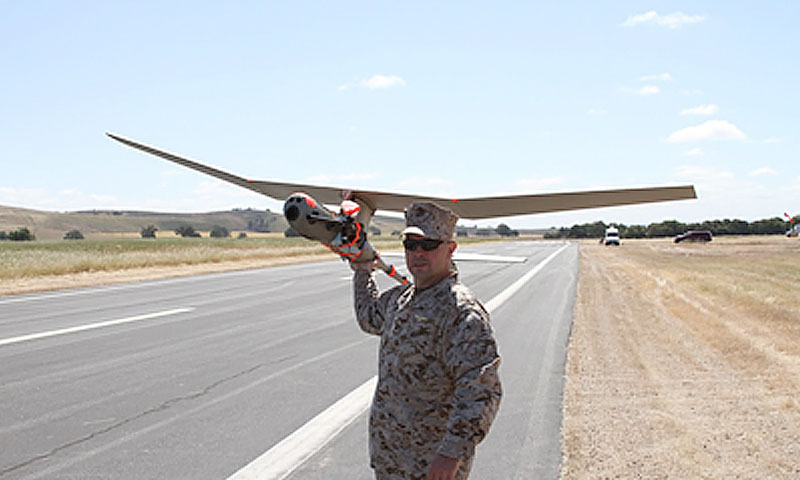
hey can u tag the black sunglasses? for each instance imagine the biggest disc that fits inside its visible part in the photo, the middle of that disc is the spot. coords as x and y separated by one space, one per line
427 244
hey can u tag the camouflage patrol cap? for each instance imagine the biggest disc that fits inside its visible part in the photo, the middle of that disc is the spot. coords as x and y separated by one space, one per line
430 221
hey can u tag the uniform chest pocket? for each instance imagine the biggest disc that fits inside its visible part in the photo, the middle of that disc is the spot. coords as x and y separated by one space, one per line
415 330
414 341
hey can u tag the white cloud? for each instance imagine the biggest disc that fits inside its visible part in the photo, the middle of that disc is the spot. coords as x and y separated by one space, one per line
644 90
710 130
762 171
375 82
383 81
692 92
772 140
647 90
662 77
671 20
710 109
593 112
695 152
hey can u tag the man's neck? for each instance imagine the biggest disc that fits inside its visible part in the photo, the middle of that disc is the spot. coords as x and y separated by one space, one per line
422 285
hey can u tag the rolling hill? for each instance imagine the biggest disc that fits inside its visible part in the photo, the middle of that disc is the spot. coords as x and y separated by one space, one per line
47 225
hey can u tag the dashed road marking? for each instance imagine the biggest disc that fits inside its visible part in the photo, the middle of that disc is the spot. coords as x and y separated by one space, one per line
92 326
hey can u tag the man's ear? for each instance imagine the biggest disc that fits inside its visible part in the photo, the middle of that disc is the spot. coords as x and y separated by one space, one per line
453 246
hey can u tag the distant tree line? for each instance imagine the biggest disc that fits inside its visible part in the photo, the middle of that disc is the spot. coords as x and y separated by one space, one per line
670 228
19 235
260 224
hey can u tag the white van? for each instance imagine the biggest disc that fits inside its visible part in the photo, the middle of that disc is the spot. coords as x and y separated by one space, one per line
612 236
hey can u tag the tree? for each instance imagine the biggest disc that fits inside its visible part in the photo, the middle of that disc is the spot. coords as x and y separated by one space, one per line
186 231
260 224
3 236
505 231
736 227
149 231
21 234
219 232
768 226
588 230
554 233
667 228
73 234
634 231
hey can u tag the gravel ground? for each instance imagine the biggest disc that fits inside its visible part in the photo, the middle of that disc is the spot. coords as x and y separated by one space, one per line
684 362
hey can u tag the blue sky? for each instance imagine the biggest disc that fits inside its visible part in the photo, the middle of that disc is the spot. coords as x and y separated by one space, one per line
443 98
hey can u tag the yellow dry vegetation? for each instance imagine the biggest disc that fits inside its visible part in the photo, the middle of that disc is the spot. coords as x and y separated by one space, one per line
684 361
27 267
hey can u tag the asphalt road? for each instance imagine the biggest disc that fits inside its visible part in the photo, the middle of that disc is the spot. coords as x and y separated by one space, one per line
195 378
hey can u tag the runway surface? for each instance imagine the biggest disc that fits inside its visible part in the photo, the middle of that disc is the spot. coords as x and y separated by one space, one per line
197 377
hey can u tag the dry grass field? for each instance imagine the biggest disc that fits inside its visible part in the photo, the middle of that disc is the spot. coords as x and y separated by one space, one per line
684 361
27 267
37 266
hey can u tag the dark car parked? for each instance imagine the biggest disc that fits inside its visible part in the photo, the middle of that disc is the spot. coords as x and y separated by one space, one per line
694 236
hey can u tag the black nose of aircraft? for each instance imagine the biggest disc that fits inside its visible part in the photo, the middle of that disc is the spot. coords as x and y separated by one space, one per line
291 212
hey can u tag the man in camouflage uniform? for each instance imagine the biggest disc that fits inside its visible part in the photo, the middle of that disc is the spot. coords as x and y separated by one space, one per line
438 388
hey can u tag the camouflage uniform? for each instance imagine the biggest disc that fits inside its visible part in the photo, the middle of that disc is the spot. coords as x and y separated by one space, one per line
438 388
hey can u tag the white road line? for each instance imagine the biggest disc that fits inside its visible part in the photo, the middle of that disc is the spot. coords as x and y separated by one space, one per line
286 456
85 291
280 460
501 298
89 290
92 326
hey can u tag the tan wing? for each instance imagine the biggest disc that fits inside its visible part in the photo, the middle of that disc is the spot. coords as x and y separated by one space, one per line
469 208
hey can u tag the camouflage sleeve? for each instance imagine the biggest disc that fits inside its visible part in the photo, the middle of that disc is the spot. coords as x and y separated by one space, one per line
473 361
369 311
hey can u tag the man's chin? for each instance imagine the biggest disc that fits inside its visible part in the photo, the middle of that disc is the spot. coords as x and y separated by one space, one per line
418 269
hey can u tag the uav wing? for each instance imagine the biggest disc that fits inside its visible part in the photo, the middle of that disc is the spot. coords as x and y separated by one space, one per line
469 208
